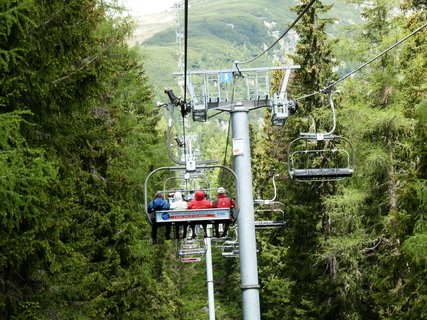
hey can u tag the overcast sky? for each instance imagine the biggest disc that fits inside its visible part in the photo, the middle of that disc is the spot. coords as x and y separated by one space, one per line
141 7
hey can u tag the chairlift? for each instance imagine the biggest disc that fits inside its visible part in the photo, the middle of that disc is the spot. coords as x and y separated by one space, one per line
175 218
321 156
230 249
328 159
282 107
191 251
199 111
272 216
191 248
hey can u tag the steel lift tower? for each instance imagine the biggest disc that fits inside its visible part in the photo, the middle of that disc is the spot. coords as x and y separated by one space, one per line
238 92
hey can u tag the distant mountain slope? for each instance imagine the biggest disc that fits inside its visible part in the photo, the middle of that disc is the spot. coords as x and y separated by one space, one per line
222 31
235 21
149 25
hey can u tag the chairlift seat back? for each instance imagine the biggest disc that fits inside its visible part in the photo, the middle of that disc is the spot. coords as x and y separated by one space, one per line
328 159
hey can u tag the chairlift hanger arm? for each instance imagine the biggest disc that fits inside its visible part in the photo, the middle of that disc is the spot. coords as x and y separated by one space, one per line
180 143
334 118
260 201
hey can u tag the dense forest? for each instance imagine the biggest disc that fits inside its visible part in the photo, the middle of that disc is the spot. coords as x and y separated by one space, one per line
80 132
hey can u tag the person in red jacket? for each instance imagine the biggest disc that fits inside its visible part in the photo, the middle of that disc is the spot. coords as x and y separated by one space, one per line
199 202
223 201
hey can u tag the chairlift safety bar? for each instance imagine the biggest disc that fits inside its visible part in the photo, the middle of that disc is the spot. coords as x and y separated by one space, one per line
214 214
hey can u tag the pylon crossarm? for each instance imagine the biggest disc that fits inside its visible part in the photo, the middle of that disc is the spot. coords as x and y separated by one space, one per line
226 89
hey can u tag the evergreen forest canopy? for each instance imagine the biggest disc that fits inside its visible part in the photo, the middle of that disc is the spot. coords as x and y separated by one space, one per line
80 134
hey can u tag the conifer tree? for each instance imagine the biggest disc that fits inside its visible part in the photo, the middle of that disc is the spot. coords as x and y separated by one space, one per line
373 214
290 253
78 244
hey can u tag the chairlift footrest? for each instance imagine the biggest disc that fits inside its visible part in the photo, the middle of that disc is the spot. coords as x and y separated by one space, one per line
268 224
321 173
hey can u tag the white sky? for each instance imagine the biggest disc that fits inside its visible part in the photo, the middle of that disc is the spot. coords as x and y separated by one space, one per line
141 7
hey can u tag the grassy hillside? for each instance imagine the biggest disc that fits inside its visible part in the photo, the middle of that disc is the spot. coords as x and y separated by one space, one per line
221 32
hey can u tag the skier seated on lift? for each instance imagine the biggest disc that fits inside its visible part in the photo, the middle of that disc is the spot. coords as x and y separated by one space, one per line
199 202
155 205
222 201
179 204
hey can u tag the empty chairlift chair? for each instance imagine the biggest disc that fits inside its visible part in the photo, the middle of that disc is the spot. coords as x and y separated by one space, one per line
327 158
230 249
269 213
190 251
317 156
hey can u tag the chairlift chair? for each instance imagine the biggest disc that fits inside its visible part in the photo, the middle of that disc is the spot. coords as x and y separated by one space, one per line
191 248
270 216
230 249
282 107
328 159
199 111
321 156
279 114
208 216
190 251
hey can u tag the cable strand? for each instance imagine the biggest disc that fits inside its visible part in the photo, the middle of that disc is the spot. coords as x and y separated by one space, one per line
184 102
282 36
325 89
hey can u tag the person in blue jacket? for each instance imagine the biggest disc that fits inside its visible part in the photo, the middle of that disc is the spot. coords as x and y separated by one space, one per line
158 203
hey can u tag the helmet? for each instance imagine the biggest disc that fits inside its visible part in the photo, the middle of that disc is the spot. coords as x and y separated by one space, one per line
221 190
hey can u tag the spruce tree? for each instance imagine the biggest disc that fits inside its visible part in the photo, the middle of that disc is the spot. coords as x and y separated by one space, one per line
290 253
78 243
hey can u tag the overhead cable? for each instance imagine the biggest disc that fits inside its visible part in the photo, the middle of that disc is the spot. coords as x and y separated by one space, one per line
329 86
185 48
282 36
214 115
184 102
